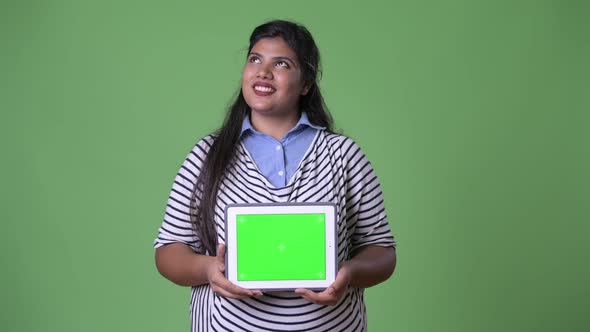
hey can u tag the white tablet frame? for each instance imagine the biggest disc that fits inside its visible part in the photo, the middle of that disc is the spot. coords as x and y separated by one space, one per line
329 209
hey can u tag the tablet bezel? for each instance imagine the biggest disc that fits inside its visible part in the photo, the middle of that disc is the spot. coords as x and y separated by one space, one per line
331 243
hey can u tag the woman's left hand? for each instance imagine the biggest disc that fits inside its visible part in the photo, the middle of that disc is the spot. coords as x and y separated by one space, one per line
334 293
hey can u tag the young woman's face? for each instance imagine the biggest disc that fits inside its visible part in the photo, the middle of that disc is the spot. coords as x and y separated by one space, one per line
271 81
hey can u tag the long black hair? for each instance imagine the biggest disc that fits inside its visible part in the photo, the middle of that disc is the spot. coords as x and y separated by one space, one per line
223 149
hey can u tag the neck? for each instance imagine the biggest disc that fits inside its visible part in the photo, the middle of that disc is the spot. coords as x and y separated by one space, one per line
275 126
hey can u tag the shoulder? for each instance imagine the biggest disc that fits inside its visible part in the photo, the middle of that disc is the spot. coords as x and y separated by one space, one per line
347 146
204 144
206 141
200 149
348 153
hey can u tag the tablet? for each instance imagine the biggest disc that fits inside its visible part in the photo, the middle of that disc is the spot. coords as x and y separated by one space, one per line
281 246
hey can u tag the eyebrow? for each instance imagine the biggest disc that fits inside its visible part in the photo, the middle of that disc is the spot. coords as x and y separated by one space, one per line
274 58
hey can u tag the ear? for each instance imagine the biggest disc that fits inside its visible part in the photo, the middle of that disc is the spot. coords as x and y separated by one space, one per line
305 89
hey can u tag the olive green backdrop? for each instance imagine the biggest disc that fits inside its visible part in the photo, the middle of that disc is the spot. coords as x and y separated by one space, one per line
474 114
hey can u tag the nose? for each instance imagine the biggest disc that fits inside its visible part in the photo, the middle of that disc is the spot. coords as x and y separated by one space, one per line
264 72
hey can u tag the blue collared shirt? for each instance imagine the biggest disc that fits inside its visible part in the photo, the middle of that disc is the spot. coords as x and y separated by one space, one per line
278 160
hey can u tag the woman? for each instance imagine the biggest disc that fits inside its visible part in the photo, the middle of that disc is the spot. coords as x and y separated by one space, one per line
276 145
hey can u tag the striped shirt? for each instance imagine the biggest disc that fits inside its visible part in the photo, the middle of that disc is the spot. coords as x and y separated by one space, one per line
333 169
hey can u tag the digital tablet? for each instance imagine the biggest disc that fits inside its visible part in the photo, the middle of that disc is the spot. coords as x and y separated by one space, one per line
281 246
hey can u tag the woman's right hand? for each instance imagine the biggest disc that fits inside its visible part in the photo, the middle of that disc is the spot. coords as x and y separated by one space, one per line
219 283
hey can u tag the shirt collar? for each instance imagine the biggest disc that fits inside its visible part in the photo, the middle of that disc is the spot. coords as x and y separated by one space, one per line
303 121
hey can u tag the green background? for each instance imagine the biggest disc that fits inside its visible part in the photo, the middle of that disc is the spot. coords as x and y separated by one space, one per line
473 113
281 247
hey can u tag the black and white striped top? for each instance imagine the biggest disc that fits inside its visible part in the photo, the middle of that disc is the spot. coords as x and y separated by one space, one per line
334 169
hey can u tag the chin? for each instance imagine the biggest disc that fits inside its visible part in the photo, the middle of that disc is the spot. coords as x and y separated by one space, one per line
261 110
258 106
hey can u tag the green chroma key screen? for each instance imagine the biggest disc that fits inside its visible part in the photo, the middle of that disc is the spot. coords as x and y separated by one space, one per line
281 246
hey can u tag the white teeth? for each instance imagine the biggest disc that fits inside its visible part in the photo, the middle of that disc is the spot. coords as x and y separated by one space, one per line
263 88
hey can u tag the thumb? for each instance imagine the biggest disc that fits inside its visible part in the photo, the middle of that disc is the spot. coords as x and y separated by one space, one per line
342 280
220 249
221 253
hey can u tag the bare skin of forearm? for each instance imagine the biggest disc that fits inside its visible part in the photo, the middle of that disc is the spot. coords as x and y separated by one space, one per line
371 265
181 265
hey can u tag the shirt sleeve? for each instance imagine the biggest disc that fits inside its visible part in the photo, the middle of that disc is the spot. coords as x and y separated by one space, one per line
366 218
176 226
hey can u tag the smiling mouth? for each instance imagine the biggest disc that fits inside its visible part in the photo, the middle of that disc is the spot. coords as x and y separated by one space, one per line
263 90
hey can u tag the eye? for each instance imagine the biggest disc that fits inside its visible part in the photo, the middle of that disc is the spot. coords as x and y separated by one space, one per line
254 59
282 64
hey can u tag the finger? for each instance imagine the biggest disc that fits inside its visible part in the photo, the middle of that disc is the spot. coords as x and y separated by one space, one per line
229 287
225 293
337 286
222 292
318 298
221 257
327 297
306 294
221 252
303 291
342 280
230 292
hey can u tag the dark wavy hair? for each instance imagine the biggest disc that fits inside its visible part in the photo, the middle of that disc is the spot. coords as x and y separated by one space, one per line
223 149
